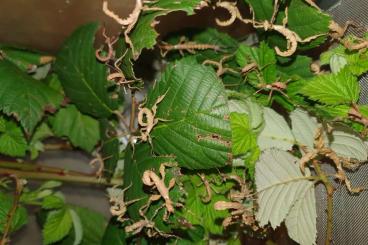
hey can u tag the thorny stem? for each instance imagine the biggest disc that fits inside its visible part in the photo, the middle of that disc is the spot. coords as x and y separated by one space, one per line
11 213
132 113
39 172
330 191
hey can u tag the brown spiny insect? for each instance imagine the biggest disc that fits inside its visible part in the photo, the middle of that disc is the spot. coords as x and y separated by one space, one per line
275 86
184 45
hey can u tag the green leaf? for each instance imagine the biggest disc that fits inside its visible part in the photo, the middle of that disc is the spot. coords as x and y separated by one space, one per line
263 56
297 67
25 60
53 202
110 148
24 97
82 76
196 129
197 212
144 35
114 234
252 109
57 226
356 62
12 141
77 227
285 193
20 217
263 9
35 145
276 132
92 224
333 89
134 167
307 21
82 130
243 139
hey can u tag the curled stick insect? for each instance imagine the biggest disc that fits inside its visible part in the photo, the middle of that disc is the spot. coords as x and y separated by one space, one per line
150 178
118 205
187 46
291 36
220 68
109 42
147 119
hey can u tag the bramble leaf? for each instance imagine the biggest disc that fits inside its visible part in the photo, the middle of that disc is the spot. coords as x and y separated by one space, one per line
82 130
263 56
144 35
114 234
24 97
348 145
333 89
57 226
285 193
304 127
20 217
243 139
307 21
35 145
12 140
356 62
201 213
134 166
196 127
25 60
276 132
82 76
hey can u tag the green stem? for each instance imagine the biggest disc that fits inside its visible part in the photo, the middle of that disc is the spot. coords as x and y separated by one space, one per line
40 172
330 191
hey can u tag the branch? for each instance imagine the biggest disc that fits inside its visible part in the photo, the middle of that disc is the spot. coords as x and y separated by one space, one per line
39 172
13 209
330 191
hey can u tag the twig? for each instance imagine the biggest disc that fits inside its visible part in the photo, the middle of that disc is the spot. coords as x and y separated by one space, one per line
64 177
132 113
330 191
13 209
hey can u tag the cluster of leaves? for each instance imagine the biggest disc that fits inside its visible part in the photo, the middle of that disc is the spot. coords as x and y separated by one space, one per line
231 120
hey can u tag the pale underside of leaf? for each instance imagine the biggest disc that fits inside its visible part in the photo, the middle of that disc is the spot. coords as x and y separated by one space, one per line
280 184
349 145
276 132
304 127
301 220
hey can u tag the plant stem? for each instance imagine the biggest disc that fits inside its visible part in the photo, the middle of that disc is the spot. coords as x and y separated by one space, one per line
330 191
132 113
38 168
13 209
39 172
